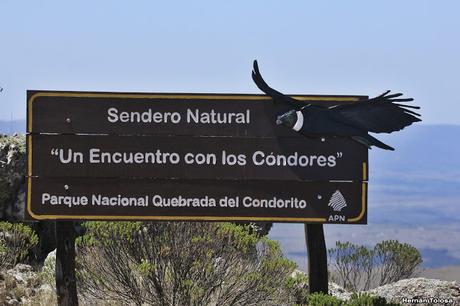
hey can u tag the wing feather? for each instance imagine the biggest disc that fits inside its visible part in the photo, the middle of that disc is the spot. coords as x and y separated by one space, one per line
277 96
377 115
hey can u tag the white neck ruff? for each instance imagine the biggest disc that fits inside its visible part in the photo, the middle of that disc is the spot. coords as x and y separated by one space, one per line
299 123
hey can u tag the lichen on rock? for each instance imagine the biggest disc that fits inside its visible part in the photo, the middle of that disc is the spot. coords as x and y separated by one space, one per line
12 176
22 285
420 290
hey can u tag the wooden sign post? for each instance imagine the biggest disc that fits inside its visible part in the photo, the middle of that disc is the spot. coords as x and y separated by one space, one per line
199 157
317 258
66 285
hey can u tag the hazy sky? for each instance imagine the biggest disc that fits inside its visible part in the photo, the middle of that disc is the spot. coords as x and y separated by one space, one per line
326 47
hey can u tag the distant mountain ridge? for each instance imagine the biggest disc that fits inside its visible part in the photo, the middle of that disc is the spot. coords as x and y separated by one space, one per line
9 127
420 147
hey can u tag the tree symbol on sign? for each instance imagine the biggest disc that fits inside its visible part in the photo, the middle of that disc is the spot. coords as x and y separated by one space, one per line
337 201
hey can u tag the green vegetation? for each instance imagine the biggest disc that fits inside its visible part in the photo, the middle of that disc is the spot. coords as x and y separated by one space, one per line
357 267
16 240
396 261
318 299
297 284
180 263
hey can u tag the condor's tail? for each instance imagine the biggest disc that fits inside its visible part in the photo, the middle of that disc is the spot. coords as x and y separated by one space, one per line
369 141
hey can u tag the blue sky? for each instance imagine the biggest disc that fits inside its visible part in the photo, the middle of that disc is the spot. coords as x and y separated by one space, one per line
323 47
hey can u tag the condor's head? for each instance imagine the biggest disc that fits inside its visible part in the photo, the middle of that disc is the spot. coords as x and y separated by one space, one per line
292 119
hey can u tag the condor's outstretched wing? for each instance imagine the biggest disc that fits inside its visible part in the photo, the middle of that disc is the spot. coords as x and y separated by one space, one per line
276 95
378 115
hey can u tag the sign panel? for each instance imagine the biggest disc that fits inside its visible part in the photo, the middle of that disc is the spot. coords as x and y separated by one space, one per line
162 114
212 200
132 156
198 157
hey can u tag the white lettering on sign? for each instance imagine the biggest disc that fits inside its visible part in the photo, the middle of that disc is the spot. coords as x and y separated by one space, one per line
114 116
119 201
233 159
96 156
192 116
214 117
274 203
260 158
336 218
177 201
200 158
180 201
67 156
64 200
224 158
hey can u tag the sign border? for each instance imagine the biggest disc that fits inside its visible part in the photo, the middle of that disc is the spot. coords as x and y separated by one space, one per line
32 95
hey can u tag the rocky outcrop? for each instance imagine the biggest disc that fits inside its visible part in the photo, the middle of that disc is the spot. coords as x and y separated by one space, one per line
420 291
13 162
23 286
334 289
12 177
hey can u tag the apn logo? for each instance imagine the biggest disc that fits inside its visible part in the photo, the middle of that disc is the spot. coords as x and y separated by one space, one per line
337 201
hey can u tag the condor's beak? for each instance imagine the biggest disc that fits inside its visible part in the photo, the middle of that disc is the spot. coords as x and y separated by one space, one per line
287 119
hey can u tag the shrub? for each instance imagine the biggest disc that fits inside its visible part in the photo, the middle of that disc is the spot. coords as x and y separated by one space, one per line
357 267
352 264
321 299
47 273
16 240
297 283
396 261
180 263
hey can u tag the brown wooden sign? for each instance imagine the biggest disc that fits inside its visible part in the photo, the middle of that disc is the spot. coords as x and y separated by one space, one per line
188 157
122 156
120 199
